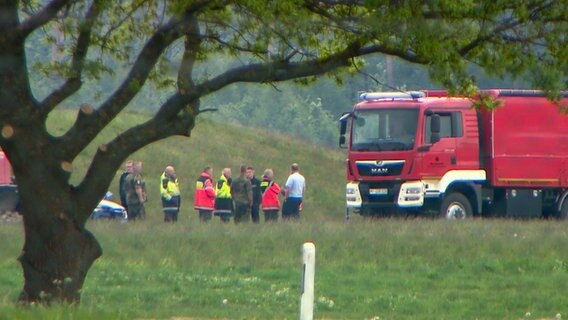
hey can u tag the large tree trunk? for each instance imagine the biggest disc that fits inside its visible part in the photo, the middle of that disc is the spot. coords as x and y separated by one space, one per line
55 260
58 250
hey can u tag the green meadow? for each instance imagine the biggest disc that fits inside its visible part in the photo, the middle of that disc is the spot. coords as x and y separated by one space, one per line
380 269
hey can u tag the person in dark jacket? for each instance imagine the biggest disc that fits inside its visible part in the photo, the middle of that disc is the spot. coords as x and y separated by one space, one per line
241 192
256 195
121 186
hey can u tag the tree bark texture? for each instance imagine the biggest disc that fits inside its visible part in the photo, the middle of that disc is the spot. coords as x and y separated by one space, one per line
55 261
58 250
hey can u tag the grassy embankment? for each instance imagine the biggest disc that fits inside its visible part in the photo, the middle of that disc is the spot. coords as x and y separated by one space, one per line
387 269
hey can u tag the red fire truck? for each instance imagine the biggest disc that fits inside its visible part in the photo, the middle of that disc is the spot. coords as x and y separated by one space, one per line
8 190
427 153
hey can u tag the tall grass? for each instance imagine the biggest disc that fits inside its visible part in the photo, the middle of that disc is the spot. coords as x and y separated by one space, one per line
390 269
384 269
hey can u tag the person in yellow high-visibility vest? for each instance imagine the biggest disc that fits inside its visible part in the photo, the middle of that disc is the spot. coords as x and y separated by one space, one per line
223 199
169 190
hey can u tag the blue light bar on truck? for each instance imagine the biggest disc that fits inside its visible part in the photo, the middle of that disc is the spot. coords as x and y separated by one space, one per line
391 95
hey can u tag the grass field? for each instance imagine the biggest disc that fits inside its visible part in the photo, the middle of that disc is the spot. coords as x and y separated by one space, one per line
384 269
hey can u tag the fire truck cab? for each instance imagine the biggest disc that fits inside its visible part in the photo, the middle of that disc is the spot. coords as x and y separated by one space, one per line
428 153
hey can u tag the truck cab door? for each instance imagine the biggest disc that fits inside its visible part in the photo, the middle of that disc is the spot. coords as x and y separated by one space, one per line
441 155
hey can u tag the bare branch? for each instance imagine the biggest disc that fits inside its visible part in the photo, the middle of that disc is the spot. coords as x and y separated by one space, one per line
261 23
322 8
377 81
275 72
208 110
87 126
233 46
73 83
44 16
192 45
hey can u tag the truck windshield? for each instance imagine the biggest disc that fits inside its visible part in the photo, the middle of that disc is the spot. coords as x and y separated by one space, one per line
384 129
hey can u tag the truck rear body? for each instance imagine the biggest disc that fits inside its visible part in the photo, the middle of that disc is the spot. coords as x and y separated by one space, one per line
525 143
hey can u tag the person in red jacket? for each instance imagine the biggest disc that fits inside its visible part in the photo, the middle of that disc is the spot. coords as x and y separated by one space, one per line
270 201
204 200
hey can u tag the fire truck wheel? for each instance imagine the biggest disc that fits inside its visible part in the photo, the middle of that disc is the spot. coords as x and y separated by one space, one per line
564 210
456 206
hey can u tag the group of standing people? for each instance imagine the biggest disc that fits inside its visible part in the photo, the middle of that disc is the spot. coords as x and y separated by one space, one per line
240 199
133 195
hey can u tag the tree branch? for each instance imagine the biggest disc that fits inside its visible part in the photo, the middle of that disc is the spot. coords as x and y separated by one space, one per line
108 157
73 83
192 45
116 25
275 72
227 44
48 13
89 124
464 50
501 27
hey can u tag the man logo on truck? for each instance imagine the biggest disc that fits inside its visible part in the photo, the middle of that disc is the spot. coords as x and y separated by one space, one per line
378 171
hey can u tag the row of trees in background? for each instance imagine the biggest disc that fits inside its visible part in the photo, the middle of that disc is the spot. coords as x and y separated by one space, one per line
309 112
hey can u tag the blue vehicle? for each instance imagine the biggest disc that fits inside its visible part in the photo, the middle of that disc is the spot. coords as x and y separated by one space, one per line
109 210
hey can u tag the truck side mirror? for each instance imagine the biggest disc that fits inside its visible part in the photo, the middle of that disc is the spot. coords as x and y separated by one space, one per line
342 141
343 122
435 128
342 127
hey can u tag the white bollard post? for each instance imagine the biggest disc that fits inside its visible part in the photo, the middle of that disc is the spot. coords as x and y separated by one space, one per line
308 275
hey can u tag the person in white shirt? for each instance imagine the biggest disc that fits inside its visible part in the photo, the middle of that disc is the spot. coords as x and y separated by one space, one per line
293 191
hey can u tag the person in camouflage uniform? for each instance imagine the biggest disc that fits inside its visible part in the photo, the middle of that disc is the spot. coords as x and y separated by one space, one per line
121 187
241 192
135 188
